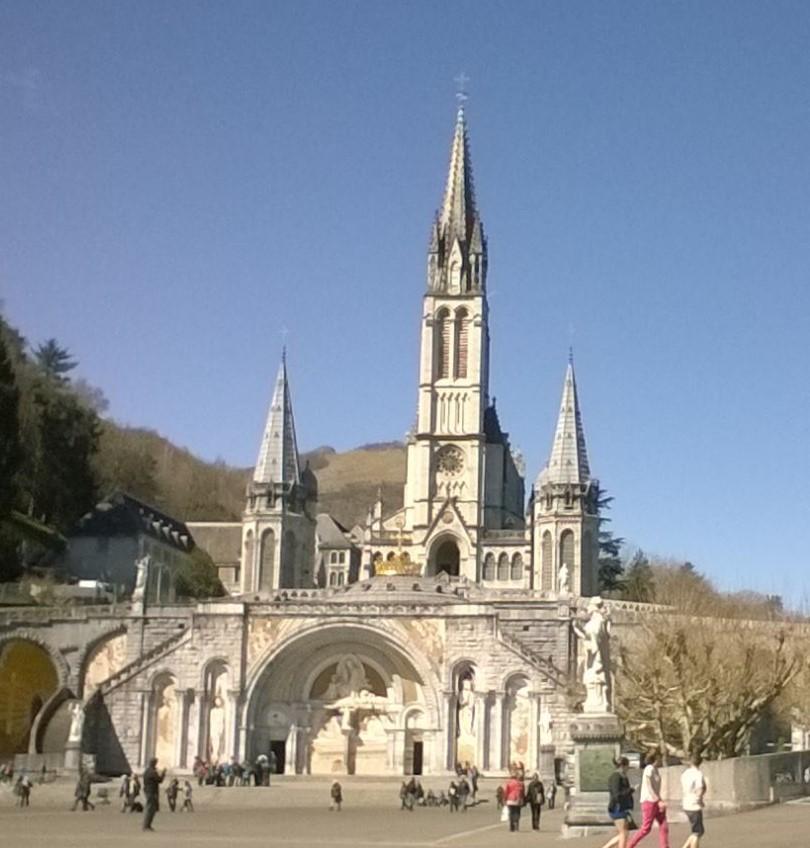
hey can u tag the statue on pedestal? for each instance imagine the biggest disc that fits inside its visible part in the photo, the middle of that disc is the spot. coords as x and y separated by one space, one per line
564 580
594 634
141 576
76 722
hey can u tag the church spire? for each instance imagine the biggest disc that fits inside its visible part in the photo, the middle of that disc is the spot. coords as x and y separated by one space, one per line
278 455
457 256
568 462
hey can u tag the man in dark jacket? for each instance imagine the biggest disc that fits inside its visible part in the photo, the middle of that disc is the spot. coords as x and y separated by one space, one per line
536 797
152 778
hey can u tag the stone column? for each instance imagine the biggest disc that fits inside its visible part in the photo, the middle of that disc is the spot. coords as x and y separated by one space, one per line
232 724
496 736
533 763
181 744
480 729
291 750
449 710
145 698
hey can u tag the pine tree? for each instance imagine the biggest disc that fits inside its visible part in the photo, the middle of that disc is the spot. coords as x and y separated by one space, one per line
10 447
54 360
610 546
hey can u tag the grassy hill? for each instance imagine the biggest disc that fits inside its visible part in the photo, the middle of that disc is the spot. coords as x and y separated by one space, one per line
152 468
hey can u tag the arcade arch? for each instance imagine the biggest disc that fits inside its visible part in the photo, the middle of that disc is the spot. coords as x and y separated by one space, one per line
345 699
30 678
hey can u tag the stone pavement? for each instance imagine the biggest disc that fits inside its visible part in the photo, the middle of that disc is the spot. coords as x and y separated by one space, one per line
296 814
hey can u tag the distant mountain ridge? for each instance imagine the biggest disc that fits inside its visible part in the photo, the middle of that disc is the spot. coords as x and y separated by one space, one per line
152 468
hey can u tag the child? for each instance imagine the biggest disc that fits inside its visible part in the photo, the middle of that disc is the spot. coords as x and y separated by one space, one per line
187 805
336 793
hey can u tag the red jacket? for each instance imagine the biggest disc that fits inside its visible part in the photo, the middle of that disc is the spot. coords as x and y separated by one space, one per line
514 792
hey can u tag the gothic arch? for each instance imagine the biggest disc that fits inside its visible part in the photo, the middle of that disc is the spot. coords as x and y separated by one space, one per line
442 336
27 635
267 555
462 334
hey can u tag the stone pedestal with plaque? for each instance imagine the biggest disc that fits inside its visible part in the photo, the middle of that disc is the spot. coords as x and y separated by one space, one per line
597 741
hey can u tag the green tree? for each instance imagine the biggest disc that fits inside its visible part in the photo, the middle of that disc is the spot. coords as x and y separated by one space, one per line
611 568
198 578
639 579
10 447
54 360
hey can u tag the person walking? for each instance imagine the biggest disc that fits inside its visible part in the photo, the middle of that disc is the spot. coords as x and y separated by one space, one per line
463 790
693 790
620 804
452 794
336 795
125 793
514 796
653 809
187 807
472 775
172 791
152 778
82 793
23 789
536 797
551 793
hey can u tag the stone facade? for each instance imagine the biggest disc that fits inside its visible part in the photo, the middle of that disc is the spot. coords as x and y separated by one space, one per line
467 654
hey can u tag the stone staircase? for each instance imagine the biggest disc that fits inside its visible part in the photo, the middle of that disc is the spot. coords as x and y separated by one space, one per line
545 665
144 660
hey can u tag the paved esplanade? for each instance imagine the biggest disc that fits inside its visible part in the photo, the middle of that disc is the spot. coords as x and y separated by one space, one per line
298 815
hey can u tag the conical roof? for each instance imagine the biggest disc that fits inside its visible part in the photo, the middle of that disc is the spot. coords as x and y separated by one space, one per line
458 212
568 462
278 454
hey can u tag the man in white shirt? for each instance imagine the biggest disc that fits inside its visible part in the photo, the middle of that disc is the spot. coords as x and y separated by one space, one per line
653 809
693 788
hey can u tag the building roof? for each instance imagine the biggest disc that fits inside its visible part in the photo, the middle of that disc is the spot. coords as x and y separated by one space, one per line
221 540
568 462
331 533
278 454
123 515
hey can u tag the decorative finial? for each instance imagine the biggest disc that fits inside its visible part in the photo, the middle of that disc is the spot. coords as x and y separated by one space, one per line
570 354
284 333
461 89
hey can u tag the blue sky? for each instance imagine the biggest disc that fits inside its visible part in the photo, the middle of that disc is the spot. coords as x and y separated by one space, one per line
181 181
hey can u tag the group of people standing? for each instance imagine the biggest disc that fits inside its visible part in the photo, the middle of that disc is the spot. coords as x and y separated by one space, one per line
653 808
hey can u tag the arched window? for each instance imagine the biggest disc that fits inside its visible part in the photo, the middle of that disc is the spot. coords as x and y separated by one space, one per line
462 333
503 567
267 557
333 579
567 550
288 557
442 335
247 562
489 567
517 567
546 552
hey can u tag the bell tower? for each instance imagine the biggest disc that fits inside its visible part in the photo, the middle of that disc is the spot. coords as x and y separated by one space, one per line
446 449
278 524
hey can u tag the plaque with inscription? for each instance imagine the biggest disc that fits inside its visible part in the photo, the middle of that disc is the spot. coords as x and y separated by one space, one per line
595 767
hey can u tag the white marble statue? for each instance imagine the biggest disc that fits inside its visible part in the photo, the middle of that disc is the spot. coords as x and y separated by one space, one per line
564 580
545 725
141 575
466 707
594 634
364 700
76 722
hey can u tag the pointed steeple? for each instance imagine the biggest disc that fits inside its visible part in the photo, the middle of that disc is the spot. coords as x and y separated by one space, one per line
278 455
458 210
568 462
458 249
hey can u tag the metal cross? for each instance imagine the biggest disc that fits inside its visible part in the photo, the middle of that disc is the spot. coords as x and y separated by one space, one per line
284 333
461 91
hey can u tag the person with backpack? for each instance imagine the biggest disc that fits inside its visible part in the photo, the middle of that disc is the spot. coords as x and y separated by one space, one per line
535 797
620 804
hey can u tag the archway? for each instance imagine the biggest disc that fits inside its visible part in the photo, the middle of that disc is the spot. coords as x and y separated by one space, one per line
446 558
333 701
29 679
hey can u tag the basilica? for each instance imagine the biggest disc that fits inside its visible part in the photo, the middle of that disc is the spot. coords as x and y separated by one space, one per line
438 634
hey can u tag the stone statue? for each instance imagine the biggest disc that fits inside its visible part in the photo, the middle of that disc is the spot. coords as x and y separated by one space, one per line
141 575
363 700
466 707
216 729
564 580
594 634
76 722
545 725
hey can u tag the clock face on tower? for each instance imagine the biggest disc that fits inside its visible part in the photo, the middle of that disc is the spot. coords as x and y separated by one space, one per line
450 460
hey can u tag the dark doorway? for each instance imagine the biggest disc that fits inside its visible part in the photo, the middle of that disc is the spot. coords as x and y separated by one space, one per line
279 749
447 559
417 757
